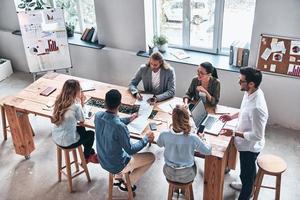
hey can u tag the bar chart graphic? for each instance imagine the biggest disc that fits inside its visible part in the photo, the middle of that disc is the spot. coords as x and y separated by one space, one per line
51 46
294 70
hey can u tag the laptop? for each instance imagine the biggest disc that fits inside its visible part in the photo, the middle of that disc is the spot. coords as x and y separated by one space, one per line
212 123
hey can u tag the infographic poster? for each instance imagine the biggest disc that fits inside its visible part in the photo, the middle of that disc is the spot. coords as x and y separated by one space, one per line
45 39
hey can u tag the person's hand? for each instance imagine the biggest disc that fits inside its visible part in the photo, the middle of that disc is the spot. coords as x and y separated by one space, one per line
201 135
82 97
150 136
201 89
225 118
139 96
152 100
226 132
133 116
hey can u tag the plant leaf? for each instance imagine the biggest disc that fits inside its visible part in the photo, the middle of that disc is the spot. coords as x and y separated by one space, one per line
21 5
31 4
28 1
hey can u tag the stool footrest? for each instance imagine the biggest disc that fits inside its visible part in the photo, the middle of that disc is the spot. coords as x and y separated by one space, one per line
268 187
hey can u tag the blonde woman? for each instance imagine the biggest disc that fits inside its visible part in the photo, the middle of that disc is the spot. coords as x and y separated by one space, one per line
158 78
180 145
67 113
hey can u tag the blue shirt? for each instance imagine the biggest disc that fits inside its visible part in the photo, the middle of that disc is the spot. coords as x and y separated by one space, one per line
180 148
113 141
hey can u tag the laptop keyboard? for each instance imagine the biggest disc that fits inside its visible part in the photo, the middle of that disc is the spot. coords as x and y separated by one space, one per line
210 122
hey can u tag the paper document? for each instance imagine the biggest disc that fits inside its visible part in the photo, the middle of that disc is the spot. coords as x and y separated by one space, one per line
144 100
87 86
278 46
169 105
266 54
139 124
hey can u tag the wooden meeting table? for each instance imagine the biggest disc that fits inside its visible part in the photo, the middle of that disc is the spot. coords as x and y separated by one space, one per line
29 101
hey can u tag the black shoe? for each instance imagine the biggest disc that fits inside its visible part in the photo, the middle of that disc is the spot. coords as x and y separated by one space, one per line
118 182
123 187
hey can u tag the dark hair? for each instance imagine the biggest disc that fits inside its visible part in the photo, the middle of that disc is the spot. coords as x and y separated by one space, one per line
159 57
210 69
252 75
113 99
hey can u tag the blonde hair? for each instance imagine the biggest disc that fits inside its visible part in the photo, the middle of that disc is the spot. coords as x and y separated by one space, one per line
64 100
181 118
159 57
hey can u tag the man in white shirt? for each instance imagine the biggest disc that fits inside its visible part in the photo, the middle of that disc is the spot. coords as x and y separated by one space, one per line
249 136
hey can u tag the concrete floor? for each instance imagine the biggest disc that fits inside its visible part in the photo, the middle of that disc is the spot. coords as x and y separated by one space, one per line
36 178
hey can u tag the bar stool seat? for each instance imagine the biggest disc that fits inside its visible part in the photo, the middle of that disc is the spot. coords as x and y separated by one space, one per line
187 187
269 165
128 184
68 164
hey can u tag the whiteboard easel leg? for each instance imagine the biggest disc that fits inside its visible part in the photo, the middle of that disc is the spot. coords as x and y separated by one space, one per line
34 76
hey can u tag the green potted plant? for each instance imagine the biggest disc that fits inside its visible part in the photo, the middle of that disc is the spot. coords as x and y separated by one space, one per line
161 42
70 29
32 5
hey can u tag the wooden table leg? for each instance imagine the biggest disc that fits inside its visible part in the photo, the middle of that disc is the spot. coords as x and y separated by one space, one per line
21 131
4 126
232 155
214 177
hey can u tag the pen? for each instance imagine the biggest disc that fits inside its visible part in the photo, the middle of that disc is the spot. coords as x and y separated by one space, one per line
171 106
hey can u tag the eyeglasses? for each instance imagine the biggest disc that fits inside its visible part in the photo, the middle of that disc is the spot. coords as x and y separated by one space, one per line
242 81
201 73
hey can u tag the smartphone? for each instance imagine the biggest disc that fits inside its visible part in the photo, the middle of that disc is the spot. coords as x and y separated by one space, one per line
201 128
153 126
48 91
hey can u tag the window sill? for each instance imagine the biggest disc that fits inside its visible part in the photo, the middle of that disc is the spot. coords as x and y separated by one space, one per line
75 40
195 58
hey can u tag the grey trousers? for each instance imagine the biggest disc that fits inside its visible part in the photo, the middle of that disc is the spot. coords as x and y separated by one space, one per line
184 175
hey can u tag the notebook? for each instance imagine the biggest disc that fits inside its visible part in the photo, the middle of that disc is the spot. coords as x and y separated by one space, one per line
212 123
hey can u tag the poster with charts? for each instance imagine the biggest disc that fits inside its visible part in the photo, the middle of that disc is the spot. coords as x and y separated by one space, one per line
45 39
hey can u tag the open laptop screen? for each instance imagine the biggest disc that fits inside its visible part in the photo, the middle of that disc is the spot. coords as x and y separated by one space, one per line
199 113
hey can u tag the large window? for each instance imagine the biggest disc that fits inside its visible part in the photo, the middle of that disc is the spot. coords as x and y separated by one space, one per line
204 25
80 13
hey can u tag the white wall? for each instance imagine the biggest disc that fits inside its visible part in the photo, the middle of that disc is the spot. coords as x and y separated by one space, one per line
125 35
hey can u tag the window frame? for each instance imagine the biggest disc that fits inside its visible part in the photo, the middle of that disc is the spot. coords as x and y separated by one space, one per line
80 14
186 22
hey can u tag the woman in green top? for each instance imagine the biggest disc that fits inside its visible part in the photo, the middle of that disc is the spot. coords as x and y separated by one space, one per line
206 86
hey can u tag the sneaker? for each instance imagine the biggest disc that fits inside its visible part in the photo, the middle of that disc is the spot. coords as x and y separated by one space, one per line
181 197
175 195
236 185
93 158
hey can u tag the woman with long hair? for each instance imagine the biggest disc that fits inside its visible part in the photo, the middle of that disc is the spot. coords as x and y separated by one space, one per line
66 114
180 144
205 87
158 78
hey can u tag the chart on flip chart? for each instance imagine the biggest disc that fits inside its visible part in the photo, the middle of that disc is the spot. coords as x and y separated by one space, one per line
45 39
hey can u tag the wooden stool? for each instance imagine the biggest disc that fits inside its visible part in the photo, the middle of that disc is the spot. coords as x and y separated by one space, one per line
269 165
68 163
187 187
111 184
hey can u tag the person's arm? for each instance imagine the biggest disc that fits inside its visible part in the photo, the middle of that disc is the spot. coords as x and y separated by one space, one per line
160 141
124 139
171 87
189 95
214 96
202 146
135 81
259 120
79 115
127 120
